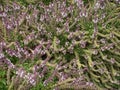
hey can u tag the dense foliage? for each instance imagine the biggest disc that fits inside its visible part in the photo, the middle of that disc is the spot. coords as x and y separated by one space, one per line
60 45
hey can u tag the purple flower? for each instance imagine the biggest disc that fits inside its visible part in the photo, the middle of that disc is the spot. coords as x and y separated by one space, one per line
79 3
1 55
16 6
112 60
9 63
83 44
3 14
20 72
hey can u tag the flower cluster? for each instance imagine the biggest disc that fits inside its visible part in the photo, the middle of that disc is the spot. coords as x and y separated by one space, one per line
71 44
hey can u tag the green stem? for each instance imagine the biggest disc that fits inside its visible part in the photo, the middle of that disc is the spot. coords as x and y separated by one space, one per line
11 85
21 86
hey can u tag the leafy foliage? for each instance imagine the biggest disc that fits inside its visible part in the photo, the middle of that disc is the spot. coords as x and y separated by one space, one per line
61 45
